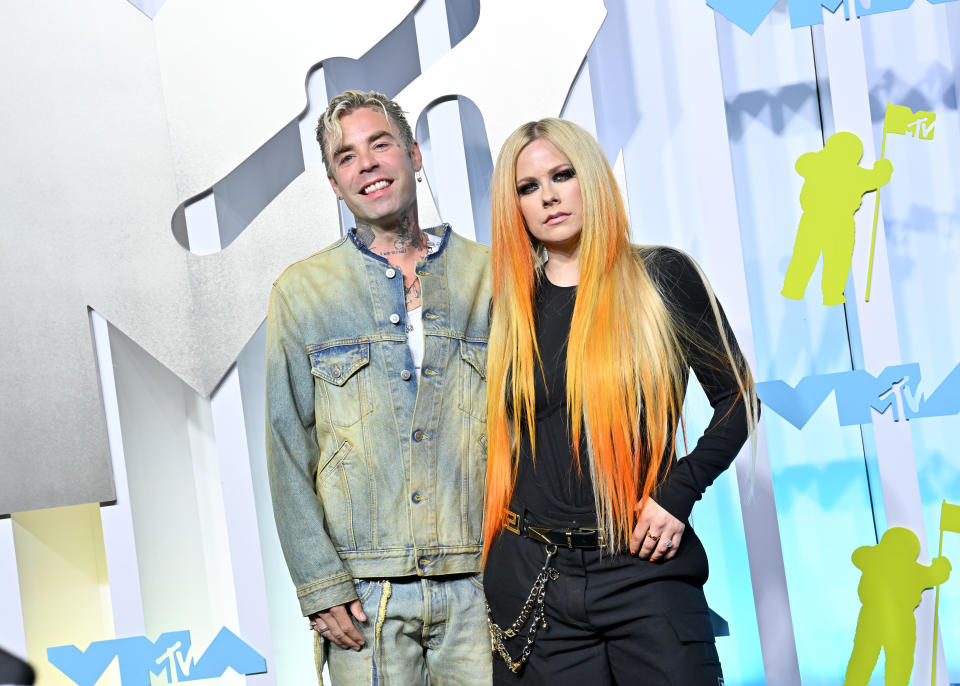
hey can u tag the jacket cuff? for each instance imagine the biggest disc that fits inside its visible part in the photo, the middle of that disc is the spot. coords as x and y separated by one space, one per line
326 593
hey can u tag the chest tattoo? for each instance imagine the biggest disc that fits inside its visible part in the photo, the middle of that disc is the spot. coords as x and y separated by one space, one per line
407 248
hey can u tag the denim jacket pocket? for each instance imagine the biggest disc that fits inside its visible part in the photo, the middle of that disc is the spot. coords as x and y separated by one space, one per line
342 389
473 378
474 484
333 490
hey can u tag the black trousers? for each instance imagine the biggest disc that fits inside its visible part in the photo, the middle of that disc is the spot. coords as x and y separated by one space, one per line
605 625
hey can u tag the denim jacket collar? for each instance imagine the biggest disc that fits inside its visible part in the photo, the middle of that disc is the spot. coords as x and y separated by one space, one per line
443 231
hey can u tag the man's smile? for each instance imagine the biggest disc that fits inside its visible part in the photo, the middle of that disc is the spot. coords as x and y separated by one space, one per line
372 188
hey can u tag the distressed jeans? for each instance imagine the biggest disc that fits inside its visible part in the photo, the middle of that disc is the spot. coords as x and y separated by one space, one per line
419 632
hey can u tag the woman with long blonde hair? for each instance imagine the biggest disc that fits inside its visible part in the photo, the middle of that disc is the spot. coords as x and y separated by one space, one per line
593 574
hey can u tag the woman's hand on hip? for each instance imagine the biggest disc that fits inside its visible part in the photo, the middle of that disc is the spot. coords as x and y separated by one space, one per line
657 534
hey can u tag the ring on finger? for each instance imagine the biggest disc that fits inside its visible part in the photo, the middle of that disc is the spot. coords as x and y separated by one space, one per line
320 628
668 544
653 537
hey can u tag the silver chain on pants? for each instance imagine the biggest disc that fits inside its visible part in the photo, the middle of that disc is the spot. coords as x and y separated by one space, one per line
533 603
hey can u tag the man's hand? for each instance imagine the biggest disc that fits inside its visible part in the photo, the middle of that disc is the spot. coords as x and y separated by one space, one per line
657 534
336 623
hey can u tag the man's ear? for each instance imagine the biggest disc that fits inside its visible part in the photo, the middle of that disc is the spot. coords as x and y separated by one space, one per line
334 186
415 157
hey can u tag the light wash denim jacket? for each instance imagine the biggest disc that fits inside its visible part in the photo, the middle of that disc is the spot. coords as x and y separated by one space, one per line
374 474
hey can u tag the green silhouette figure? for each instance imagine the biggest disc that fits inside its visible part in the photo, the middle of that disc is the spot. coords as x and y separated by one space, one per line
832 191
889 590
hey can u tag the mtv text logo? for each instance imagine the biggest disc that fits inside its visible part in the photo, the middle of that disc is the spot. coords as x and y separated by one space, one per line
169 655
749 14
857 392
922 128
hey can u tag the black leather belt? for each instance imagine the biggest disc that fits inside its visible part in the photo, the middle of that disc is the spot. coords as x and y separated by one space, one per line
573 539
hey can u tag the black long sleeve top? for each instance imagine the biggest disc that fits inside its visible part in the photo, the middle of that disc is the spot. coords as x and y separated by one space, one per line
553 486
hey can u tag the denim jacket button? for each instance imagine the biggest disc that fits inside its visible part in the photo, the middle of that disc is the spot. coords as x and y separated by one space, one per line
418 435
405 375
391 273
418 498
394 318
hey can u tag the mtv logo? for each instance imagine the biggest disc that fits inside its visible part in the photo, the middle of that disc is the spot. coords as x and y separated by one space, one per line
169 655
749 14
858 393
922 128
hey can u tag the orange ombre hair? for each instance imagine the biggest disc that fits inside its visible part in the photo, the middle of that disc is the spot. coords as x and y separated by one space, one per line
625 369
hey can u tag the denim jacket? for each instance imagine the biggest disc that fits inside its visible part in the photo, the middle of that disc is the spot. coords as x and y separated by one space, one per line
374 474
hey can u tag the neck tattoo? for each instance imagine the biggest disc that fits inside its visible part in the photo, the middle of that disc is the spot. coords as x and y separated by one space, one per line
408 238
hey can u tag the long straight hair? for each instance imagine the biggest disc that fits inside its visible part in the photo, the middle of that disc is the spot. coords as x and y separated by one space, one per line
625 368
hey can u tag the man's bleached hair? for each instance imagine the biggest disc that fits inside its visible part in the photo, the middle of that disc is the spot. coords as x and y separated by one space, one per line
329 133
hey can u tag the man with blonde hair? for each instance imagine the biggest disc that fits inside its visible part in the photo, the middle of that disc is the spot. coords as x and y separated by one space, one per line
376 431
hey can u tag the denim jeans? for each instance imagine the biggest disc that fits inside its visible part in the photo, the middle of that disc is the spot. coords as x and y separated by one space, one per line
419 632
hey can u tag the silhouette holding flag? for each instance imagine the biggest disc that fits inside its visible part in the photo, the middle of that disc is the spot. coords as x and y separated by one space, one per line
901 120
949 521
890 589
833 188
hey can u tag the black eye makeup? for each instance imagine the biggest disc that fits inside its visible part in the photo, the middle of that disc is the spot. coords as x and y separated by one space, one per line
560 176
526 188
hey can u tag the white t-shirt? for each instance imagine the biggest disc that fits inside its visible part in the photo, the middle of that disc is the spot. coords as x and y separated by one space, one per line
415 316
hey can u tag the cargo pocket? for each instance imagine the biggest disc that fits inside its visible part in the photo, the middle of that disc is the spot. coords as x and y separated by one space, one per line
696 661
342 392
473 378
